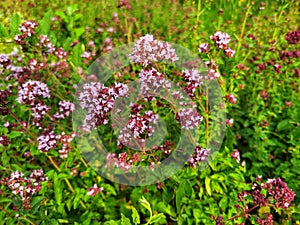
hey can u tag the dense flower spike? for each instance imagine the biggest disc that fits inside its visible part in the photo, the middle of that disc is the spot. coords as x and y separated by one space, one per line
30 90
45 44
280 192
194 81
200 155
152 82
65 141
47 140
39 111
99 100
147 51
221 39
189 118
204 48
25 187
136 126
65 109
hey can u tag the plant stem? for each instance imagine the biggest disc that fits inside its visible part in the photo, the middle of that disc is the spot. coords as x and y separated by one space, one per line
243 29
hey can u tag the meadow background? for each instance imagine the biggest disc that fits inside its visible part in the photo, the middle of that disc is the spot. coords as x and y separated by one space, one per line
261 142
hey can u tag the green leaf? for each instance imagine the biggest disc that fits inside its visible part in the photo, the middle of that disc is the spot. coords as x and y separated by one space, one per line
62 15
158 218
207 186
125 220
283 125
223 203
184 190
14 25
35 203
45 22
3 32
168 209
135 216
4 158
145 203
57 184
78 32
76 53
14 134
296 133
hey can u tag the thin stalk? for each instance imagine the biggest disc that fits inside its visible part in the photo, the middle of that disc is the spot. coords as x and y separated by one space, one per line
243 29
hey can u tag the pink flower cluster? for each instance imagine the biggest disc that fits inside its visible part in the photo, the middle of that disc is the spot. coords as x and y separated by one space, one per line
280 192
189 118
231 98
222 40
136 126
293 37
267 220
25 187
200 155
152 81
49 140
65 109
39 111
27 29
122 161
30 90
147 51
193 79
65 141
94 190
98 101
45 44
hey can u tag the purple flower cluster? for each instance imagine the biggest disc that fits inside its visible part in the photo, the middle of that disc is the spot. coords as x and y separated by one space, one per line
152 81
45 44
98 101
268 220
25 187
222 40
166 148
280 192
293 37
4 60
193 79
204 48
189 118
200 155
137 125
65 141
122 161
27 29
30 90
231 98
49 140
65 109
94 190
61 54
147 51
39 111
